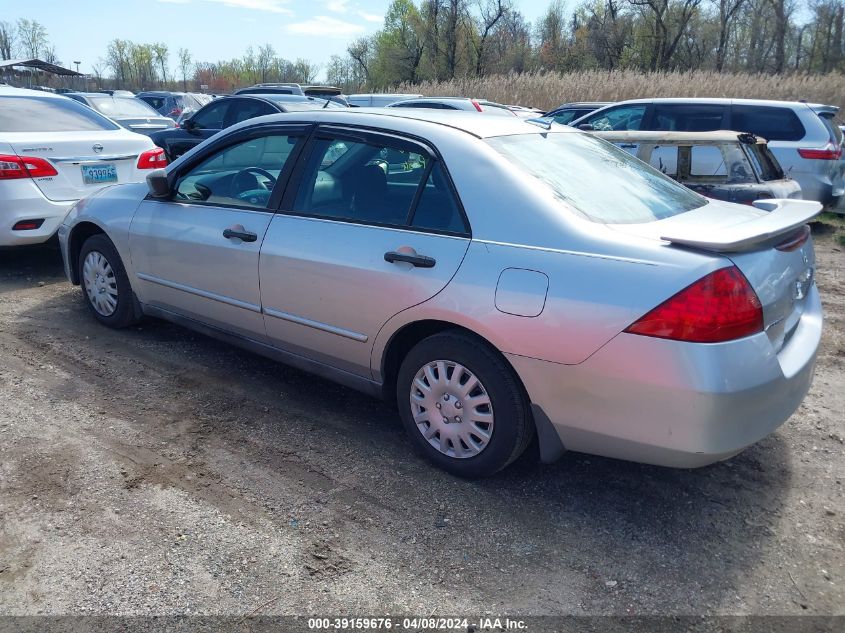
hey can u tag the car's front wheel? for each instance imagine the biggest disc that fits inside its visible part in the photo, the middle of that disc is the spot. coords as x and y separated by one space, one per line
462 405
105 284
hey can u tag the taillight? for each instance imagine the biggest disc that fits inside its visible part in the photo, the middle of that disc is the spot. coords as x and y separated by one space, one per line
477 105
152 159
721 306
13 167
828 152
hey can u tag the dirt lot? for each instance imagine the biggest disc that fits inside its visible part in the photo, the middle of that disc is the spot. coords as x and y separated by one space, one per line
157 471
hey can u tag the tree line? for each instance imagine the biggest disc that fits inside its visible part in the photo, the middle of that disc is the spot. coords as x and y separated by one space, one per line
437 40
440 40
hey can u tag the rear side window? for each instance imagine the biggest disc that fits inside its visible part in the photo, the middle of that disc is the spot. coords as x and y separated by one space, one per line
769 122
597 179
155 102
665 159
36 114
437 208
687 117
765 162
707 160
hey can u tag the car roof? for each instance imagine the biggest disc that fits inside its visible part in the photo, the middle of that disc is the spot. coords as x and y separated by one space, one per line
398 95
721 101
416 121
717 136
584 104
10 91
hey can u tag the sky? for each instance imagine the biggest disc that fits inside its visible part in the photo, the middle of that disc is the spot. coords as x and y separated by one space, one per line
211 29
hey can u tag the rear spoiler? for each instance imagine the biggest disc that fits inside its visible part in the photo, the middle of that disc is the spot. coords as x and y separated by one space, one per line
784 216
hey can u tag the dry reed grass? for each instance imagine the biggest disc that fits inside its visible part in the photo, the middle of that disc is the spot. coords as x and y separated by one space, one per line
547 90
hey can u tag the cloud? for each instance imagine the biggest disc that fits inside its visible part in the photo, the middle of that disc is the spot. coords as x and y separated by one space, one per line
371 17
324 25
273 6
337 6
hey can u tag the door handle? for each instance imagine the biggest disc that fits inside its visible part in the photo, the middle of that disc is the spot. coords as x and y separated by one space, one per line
244 236
420 261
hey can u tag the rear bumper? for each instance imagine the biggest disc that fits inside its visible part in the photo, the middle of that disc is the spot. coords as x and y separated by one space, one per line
22 200
675 404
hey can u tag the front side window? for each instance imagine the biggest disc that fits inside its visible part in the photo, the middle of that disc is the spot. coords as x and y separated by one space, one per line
243 174
244 109
49 114
211 117
597 179
372 183
622 118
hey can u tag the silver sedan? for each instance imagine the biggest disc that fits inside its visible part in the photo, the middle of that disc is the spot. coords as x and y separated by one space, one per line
499 279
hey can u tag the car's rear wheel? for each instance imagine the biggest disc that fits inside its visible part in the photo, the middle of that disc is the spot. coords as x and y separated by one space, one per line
105 284
462 405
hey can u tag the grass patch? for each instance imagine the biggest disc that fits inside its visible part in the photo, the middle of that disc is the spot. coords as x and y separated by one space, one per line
841 239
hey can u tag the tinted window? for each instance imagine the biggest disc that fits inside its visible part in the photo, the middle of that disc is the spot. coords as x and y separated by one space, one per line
360 181
420 104
437 208
832 127
37 114
243 174
771 123
155 102
687 117
211 117
596 178
243 109
621 118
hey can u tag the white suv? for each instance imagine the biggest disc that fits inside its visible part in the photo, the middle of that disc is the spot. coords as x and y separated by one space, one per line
803 136
54 151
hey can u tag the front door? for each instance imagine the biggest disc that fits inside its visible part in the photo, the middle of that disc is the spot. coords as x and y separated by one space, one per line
373 229
197 253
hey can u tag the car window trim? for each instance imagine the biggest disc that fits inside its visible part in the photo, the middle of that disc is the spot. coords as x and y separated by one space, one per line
370 136
300 130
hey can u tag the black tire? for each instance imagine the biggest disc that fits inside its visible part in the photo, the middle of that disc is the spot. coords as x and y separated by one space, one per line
513 427
124 312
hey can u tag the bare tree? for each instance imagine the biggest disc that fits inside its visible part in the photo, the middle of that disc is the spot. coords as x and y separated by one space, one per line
160 55
669 22
32 38
490 12
184 66
264 61
8 40
728 10
359 51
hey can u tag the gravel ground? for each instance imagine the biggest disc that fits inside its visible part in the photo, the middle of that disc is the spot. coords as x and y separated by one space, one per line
155 471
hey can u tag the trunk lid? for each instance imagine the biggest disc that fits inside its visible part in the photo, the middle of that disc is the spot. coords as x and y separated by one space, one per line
68 152
144 125
770 244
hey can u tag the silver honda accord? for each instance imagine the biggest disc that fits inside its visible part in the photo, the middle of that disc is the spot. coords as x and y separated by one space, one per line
499 280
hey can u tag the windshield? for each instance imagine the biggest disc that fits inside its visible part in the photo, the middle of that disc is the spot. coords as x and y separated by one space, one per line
122 106
49 114
601 181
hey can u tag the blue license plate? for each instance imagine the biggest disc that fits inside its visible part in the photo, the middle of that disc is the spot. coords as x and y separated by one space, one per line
99 174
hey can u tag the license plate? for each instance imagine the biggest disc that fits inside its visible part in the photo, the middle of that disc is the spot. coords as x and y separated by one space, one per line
98 174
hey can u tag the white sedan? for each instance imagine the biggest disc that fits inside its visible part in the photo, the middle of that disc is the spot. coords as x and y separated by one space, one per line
54 151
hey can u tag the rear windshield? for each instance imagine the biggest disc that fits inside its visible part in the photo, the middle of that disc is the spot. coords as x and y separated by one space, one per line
40 114
122 106
156 102
765 161
832 128
596 178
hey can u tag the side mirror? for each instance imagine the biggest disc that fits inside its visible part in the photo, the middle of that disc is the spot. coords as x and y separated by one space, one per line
586 127
157 184
186 124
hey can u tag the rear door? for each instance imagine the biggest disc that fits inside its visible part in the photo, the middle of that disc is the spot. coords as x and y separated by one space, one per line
87 150
687 117
356 243
196 254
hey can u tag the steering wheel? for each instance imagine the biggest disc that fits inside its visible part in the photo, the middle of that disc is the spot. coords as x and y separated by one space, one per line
255 170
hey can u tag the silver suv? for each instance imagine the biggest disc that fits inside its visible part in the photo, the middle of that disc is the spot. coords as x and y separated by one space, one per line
803 136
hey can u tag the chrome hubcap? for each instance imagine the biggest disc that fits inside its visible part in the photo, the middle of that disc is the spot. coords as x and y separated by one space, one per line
452 409
100 283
